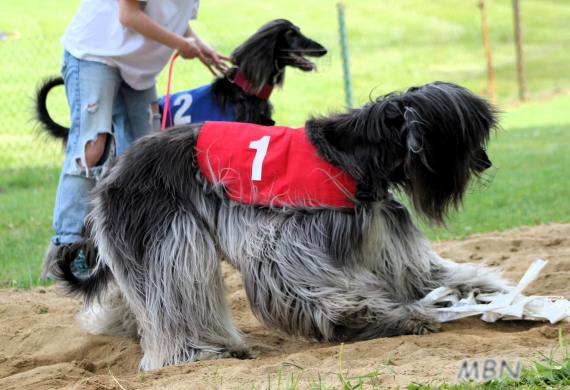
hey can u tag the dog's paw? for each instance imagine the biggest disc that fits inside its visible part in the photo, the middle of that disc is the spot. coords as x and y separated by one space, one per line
421 324
237 352
243 353
420 320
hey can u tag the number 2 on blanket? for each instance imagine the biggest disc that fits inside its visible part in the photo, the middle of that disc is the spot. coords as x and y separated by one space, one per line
185 101
261 150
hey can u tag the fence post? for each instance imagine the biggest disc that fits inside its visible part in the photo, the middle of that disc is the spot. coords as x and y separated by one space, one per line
488 53
344 48
519 51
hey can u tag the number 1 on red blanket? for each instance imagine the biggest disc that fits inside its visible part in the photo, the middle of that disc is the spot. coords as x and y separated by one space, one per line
261 150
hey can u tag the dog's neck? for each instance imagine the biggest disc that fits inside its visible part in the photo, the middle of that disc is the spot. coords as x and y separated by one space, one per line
245 106
242 81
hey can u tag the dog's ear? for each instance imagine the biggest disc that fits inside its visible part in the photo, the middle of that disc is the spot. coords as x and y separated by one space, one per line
365 142
334 141
447 128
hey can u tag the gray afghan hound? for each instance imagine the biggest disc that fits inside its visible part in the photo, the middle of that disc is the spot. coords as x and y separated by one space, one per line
331 255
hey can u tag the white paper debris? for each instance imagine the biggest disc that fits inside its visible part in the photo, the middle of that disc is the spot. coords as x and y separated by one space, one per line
499 306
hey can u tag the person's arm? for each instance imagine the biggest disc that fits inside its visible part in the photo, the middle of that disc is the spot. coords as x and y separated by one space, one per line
131 16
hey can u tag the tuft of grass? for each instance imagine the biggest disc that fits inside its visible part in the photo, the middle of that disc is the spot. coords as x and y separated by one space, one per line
553 371
115 379
547 372
293 381
217 380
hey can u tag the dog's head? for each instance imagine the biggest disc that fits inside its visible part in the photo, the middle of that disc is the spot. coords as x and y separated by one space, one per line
448 128
429 142
277 44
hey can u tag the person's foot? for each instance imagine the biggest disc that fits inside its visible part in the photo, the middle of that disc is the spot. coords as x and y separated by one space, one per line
79 266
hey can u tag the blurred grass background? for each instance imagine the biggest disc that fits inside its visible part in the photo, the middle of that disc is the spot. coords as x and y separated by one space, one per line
392 45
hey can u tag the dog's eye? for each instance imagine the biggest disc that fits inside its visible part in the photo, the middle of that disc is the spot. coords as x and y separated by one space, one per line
290 34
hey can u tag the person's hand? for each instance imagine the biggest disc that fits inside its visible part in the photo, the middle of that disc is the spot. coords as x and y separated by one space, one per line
213 58
190 49
195 48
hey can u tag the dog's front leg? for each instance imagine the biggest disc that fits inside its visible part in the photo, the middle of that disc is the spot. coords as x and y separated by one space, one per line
368 312
466 277
331 305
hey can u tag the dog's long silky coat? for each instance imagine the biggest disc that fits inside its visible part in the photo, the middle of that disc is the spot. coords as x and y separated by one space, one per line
334 274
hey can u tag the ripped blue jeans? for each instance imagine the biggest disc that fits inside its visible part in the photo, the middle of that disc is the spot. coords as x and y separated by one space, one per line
100 102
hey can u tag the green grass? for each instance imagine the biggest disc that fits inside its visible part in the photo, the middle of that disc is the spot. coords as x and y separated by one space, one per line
392 45
26 204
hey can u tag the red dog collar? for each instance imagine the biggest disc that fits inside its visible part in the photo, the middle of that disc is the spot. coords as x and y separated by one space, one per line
244 84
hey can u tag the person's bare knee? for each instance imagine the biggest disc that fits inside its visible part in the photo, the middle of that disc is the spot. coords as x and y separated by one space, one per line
154 108
94 150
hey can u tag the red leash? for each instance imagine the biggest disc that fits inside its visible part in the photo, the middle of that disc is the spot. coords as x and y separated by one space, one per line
238 79
167 99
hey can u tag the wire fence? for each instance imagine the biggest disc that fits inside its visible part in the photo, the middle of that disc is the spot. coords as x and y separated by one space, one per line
24 62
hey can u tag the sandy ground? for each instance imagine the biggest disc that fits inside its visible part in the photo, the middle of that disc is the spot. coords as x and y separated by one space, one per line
43 347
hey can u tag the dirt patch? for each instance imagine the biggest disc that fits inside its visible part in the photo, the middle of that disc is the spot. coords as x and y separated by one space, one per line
43 347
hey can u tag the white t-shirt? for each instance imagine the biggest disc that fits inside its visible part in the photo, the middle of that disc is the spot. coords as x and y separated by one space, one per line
96 34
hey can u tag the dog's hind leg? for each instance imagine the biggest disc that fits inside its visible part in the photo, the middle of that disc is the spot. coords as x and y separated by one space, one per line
176 292
186 301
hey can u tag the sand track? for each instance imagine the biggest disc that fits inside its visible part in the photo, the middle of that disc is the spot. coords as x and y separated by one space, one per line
43 347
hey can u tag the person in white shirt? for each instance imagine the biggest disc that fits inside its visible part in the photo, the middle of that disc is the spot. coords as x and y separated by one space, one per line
113 51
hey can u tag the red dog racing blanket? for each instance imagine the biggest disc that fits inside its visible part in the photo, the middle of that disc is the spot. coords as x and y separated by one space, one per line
275 166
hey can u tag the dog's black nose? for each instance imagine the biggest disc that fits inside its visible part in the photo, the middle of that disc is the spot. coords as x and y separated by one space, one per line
320 52
483 162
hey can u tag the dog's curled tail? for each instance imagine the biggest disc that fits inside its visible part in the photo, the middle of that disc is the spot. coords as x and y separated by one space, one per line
41 113
87 288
